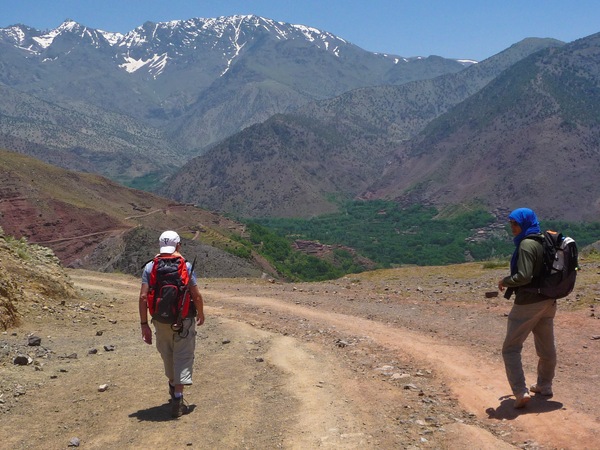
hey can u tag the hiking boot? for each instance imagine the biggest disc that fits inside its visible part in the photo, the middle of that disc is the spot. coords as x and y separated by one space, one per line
542 390
178 407
522 400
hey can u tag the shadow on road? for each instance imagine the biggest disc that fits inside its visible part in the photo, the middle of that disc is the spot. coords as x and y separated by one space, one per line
161 413
538 404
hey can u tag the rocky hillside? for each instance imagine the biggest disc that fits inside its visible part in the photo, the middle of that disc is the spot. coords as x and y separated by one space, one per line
31 278
91 222
299 164
82 137
531 137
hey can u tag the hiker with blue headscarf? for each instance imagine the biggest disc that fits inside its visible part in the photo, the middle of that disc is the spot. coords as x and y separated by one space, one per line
531 312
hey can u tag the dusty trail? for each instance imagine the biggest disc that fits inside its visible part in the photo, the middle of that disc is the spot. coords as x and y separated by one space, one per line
282 368
472 376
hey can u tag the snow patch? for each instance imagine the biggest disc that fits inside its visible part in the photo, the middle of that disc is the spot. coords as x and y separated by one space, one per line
46 40
16 34
155 65
112 38
237 45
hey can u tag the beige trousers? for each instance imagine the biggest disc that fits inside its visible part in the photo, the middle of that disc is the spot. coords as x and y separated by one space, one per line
536 318
177 350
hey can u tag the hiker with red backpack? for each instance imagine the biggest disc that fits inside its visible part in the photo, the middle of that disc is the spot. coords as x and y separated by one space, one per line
171 296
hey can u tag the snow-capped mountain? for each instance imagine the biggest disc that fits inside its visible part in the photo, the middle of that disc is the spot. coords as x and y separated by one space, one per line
206 100
153 42
197 80
36 42
151 46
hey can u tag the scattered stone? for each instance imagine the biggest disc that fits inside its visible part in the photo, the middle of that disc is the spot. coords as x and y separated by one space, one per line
595 337
259 359
74 442
411 387
22 360
99 333
400 376
225 341
19 390
92 351
102 387
109 348
34 341
491 294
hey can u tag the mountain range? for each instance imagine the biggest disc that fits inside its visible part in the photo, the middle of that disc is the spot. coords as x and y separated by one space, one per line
531 136
303 163
254 117
167 91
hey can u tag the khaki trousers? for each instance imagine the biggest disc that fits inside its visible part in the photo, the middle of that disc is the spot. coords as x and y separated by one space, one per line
177 350
536 318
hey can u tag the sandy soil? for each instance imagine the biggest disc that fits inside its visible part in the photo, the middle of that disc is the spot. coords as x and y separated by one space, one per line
406 358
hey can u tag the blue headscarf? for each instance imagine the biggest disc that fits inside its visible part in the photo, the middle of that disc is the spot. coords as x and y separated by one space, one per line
529 224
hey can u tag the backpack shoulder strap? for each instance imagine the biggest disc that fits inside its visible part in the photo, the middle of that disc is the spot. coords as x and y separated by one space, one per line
535 237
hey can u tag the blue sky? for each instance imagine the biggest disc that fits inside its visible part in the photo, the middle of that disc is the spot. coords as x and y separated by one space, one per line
474 29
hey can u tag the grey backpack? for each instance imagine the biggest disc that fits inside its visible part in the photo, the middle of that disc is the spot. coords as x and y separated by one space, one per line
561 263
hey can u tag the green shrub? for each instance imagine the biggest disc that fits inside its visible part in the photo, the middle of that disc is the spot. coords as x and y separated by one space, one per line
495 264
391 235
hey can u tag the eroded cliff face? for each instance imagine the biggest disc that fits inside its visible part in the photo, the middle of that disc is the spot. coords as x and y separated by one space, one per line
31 279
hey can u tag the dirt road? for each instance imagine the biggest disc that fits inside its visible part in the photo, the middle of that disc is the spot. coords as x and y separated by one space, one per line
363 362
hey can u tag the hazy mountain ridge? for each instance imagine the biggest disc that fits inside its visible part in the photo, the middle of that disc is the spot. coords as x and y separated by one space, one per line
528 138
346 141
196 81
81 137
166 96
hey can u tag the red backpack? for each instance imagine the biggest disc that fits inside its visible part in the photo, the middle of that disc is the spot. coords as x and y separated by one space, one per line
169 297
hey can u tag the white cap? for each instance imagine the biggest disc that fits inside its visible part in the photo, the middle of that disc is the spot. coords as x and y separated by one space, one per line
168 241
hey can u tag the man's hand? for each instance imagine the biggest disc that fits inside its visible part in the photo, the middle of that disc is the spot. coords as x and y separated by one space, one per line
200 318
147 333
501 285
